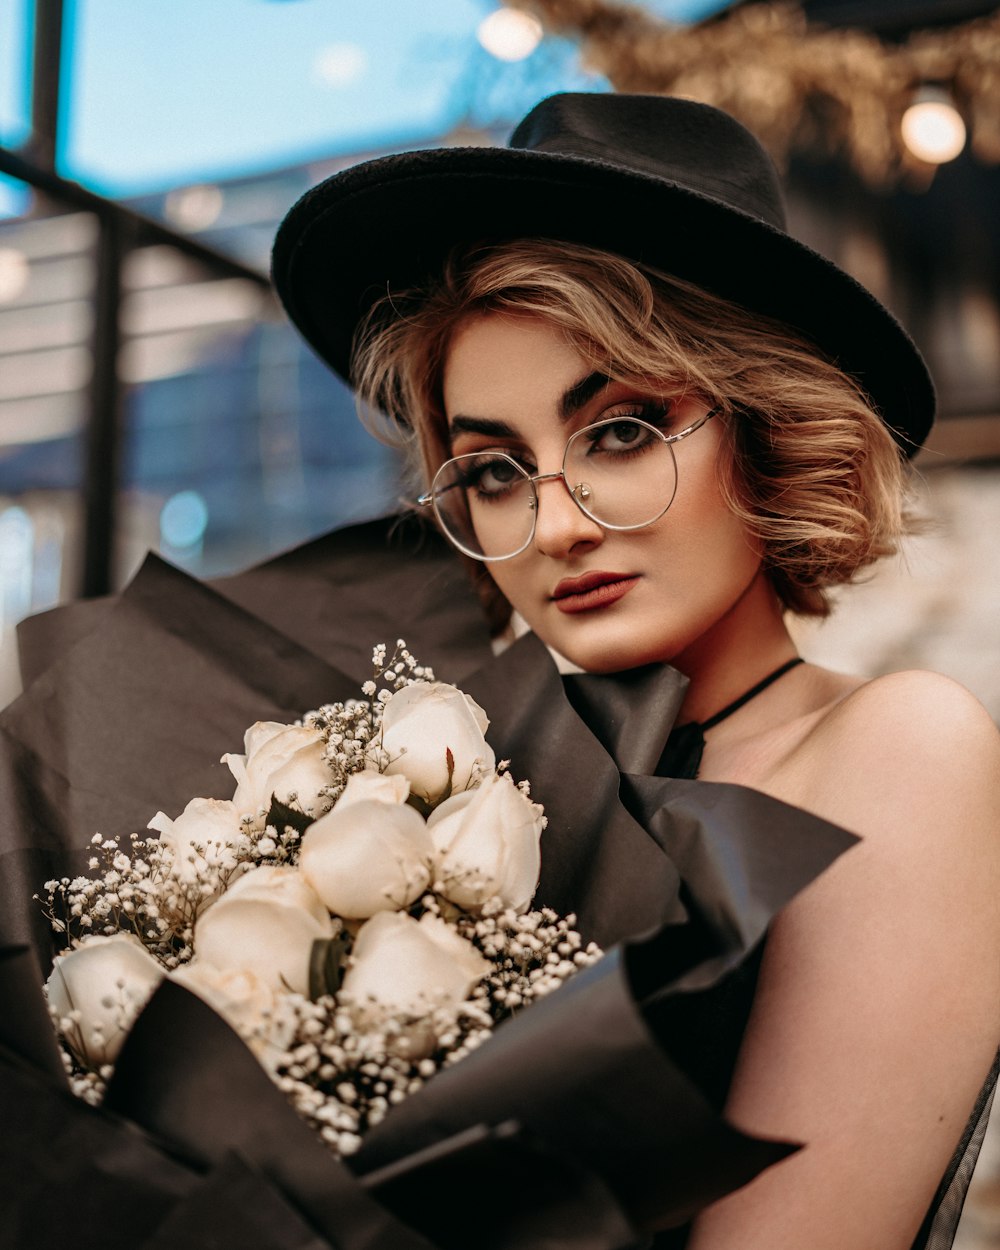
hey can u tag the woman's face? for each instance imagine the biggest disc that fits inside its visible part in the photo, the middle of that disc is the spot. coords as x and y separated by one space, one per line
648 595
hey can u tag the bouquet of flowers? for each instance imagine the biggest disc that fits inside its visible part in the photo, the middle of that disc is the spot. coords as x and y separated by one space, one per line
594 1111
358 911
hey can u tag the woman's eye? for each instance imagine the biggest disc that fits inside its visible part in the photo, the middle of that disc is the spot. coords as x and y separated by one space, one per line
626 433
619 436
492 476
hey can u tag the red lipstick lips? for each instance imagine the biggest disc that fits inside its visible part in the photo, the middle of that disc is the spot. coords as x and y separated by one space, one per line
592 590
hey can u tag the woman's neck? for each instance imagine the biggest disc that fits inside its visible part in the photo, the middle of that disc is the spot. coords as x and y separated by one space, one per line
742 647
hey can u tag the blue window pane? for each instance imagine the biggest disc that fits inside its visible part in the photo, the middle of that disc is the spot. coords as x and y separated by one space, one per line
15 74
15 197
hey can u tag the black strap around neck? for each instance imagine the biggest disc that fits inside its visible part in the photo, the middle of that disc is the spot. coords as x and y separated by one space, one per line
684 747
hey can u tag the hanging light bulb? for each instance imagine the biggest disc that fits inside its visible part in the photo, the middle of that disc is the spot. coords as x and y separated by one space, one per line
932 126
510 34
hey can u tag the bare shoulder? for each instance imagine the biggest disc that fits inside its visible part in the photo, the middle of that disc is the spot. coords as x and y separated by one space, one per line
917 703
910 750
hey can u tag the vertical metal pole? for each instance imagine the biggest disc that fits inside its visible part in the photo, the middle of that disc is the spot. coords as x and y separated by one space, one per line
46 70
103 410
104 415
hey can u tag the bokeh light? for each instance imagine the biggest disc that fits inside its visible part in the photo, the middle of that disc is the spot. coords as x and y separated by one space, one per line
933 128
340 64
509 34
194 208
183 520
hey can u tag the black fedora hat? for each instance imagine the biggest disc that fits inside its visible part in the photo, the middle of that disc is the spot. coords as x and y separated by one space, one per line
671 183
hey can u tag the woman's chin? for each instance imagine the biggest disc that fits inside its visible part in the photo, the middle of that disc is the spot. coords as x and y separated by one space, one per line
598 657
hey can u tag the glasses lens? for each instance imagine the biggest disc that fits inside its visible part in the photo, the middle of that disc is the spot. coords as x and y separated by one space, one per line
486 504
622 473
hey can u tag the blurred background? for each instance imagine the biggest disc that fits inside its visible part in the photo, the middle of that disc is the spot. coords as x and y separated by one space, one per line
152 396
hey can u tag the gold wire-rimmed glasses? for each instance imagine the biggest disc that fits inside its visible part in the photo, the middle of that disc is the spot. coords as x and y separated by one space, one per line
621 473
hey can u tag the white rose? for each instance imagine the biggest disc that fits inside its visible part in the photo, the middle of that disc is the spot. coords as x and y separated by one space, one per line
243 999
266 922
421 723
406 967
206 837
97 990
486 843
374 785
366 856
281 761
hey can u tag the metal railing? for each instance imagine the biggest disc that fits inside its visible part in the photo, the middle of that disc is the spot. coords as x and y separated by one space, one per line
120 230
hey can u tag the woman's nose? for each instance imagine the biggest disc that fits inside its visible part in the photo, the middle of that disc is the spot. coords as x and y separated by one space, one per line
560 526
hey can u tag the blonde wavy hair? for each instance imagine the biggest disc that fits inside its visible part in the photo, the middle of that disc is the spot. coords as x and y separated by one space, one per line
813 473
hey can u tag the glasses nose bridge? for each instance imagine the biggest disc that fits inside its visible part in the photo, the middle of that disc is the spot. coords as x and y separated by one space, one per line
547 477
535 478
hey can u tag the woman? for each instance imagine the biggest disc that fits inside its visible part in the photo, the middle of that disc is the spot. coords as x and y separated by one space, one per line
655 424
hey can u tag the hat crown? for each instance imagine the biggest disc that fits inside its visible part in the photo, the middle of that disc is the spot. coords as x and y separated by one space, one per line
691 145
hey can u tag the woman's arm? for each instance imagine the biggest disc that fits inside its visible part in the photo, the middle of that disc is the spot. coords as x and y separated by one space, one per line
878 1010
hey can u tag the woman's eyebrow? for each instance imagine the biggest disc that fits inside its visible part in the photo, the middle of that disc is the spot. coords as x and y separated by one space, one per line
576 397
581 393
481 425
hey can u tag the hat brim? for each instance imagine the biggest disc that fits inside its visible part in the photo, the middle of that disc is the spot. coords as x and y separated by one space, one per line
387 224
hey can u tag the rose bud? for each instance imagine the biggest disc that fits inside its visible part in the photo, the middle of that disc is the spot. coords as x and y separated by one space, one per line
281 761
366 856
266 922
432 734
487 844
98 988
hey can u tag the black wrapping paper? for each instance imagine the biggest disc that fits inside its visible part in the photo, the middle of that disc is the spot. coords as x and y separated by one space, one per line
71 1175
25 1028
132 715
551 1202
184 1077
234 1207
332 596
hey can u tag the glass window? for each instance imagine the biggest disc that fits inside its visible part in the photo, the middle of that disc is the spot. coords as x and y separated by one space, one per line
15 74
238 442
